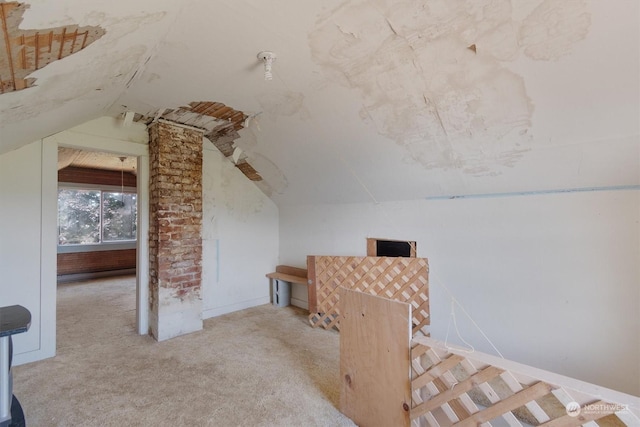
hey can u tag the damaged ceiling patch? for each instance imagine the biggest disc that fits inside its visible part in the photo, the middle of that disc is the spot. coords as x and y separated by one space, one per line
432 77
553 28
285 103
25 51
221 124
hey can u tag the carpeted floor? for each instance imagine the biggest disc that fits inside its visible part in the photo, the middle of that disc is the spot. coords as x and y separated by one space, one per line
263 366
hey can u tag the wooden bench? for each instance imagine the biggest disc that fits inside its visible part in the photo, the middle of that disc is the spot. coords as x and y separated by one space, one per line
290 274
286 273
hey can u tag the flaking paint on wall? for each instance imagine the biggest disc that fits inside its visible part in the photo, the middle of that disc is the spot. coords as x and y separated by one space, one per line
433 77
277 181
274 180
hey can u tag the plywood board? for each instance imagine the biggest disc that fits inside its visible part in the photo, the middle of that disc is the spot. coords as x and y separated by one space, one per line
375 337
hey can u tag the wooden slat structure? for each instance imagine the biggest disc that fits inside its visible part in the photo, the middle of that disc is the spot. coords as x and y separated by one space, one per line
374 359
452 387
457 388
400 279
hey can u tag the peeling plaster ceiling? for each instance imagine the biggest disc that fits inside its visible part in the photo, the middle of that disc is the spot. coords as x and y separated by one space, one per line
370 100
27 51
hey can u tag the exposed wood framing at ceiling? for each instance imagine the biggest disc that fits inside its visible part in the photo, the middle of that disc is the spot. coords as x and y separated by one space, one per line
221 124
95 160
248 170
25 51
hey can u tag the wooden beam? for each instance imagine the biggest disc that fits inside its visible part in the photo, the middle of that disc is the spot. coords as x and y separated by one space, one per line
582 418
460 388
512 402
435 371
287 278
312 296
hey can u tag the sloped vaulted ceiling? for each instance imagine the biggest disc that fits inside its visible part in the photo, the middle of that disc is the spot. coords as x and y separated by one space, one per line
370 100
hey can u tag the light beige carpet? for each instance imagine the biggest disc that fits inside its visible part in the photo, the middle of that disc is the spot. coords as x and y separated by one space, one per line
263 366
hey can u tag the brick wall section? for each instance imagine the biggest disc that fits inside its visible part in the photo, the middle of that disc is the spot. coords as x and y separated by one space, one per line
175 204
91 262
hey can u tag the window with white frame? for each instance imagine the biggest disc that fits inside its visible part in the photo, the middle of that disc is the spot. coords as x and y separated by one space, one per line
89 216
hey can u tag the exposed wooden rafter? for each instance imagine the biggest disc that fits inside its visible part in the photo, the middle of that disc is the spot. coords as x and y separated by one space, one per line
24 51
221 124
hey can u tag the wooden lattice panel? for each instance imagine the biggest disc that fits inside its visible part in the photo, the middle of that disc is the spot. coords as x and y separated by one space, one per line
452 387
400 279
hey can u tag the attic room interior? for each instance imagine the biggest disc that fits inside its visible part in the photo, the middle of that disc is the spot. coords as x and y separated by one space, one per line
500 137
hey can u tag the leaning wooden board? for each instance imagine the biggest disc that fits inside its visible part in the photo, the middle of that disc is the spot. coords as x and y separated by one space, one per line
396 278
375 337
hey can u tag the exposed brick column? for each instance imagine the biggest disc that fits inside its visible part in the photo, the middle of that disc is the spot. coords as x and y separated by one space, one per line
175 243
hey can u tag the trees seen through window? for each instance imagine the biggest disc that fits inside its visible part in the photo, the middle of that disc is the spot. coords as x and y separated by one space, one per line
88 216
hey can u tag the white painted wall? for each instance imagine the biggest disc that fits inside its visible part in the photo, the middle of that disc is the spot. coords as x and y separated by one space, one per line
240 230
552 280
239 238
25 274
28 223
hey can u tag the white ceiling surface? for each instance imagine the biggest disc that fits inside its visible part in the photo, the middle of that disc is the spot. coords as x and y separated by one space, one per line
370 100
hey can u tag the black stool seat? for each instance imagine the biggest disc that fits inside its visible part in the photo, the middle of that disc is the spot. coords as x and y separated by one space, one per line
14 319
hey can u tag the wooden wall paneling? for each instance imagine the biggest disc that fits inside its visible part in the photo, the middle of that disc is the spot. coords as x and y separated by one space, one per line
96 261
77 175
375 338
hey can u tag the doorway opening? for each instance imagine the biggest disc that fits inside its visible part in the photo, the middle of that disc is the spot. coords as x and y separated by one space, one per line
99 220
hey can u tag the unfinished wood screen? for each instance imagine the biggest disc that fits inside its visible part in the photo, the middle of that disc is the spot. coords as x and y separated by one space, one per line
455 388
375 339
401 279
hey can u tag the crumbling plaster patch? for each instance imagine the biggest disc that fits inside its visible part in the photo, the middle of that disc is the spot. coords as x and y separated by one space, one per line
273 180
432 73
28 50
77 87
90 75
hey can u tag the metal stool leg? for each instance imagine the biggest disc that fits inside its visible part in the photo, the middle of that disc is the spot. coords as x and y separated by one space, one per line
5 382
